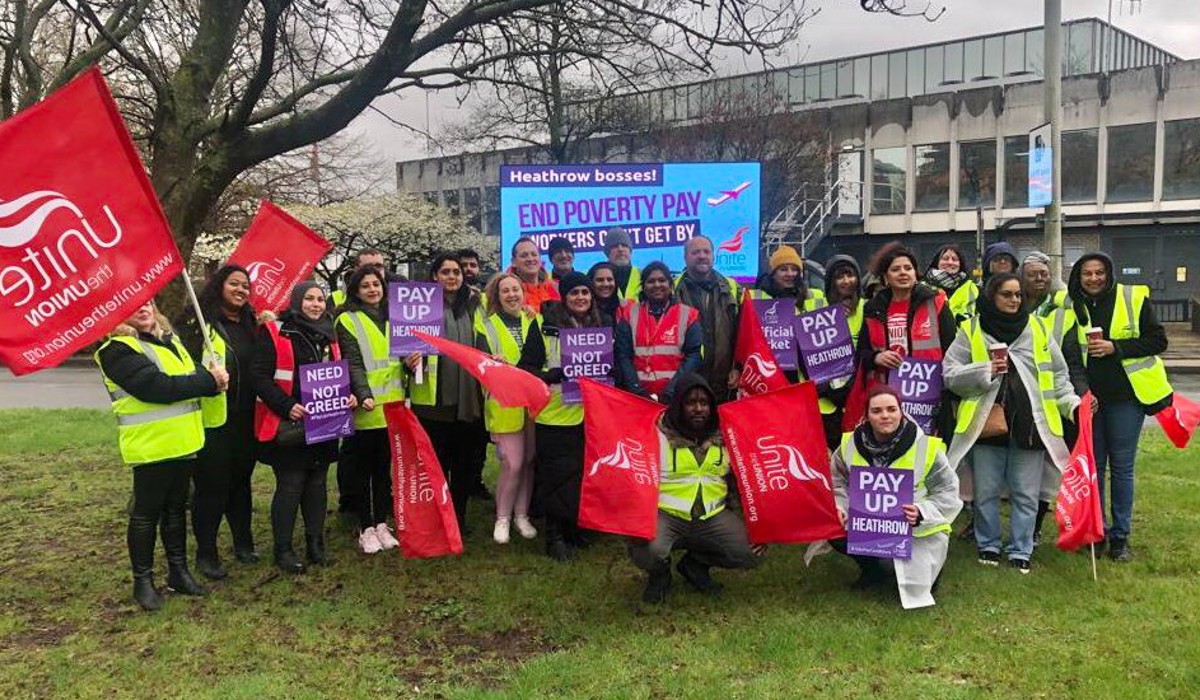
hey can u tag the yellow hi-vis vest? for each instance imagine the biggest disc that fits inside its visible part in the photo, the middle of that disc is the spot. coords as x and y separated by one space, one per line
923 452
497 418
339 297
1045 374
1060 312
633 287
383 371
682 480
214 409
962 301
153 432
813 301
855 321
556 412
1147 375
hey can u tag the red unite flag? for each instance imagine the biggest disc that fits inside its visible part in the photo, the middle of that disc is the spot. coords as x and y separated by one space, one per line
83 240
622 456
1179 420
425 520
510 386
776 445
278 251
1078 511
760 371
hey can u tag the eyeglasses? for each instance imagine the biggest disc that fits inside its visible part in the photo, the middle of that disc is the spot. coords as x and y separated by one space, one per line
1038 275
1009 295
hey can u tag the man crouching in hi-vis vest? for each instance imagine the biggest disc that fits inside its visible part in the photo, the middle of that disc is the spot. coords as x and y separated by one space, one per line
692 496
155 389
888 438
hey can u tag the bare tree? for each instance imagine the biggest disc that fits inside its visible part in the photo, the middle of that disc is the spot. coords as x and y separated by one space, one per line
900 8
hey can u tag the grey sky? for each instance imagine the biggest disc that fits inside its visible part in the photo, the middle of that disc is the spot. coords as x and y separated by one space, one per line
842 29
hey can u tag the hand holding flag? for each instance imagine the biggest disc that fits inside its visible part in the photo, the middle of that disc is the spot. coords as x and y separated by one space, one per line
760 371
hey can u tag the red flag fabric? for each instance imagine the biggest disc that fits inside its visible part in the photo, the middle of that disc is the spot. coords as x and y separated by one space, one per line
508 385
1078 511
776 445
1179 420
760 371
425 520
621 461
83 240
278 251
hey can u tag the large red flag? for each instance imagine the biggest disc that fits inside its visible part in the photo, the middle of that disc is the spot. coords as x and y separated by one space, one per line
776 445
425 520
1078 511
508 385
760 371
621 461
1179 420
83 240
278 251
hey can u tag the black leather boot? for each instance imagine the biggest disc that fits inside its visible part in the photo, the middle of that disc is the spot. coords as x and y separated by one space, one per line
210 567
557 547
657 585
314 550
174 534
697 575
287 561
140 538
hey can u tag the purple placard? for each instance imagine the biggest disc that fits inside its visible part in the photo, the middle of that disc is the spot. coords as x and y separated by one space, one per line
875 525
919 383
776 317
592 175
325 394
586 352
824 343
414 306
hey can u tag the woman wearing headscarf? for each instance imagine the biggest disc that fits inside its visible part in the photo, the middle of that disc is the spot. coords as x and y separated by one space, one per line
154 386
226 464
363 336
303 335
1016 391
888 438
448 401
604 281
558 432
948 273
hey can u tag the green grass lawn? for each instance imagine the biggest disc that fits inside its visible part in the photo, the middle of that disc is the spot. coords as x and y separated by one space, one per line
508 622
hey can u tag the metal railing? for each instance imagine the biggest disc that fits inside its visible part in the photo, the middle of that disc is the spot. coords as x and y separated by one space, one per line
808 216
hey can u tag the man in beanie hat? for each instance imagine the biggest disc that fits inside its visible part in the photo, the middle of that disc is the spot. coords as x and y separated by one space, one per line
562 258
619 249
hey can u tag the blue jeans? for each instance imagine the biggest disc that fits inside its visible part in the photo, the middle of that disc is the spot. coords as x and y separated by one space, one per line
1019 470
1117 429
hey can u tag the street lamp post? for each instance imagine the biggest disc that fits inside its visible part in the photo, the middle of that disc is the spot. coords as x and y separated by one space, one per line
1052 108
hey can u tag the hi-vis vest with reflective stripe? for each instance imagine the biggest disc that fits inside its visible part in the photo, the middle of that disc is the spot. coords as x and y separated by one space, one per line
153 432
1147 375
962 301
633 287
1059 310
266 421
683 480
923 452
1045 374
556 412
657 354
215 409
497 418
855 320
383 371
339 298
813 301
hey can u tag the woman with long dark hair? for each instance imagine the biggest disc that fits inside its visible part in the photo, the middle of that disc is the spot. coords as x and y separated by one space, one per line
226 464
604 282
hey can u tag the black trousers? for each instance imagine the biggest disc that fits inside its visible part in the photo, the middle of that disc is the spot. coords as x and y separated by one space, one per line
349 497
300 476
457 446
224 468
373 468
160 493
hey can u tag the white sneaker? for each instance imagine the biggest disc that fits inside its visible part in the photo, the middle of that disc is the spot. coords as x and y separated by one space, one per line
500 532
386 539
368 541
526 528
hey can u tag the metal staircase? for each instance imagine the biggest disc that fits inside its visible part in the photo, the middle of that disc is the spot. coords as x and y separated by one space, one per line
810 214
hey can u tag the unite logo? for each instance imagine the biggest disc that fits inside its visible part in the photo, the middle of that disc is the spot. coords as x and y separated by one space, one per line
778 458
629 454
55 247
485 364
771 315
1077 480
755 373
265 276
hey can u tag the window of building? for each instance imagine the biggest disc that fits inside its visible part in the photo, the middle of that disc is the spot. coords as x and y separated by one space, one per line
888 170
916 71
1014 53
932 170
491 208
862 77
935 67
1130 168
973 59
1035 46
812 84
451 201
976 174
828 81
1181 159
796 85
1079 166
896 74
993 57
1078 51
472 203
879 77
432 197
954 63
845 78
1016 171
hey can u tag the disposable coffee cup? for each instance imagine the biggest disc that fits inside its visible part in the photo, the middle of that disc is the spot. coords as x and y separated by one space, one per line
999 351
1095 333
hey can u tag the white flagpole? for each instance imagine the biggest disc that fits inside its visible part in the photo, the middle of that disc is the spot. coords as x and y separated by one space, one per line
191 291
1092 549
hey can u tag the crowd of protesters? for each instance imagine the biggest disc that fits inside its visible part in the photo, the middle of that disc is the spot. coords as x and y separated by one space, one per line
1016 356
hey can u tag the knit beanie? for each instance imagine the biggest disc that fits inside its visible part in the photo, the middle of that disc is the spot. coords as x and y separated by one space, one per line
616 236
786 255
559 243
571 280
